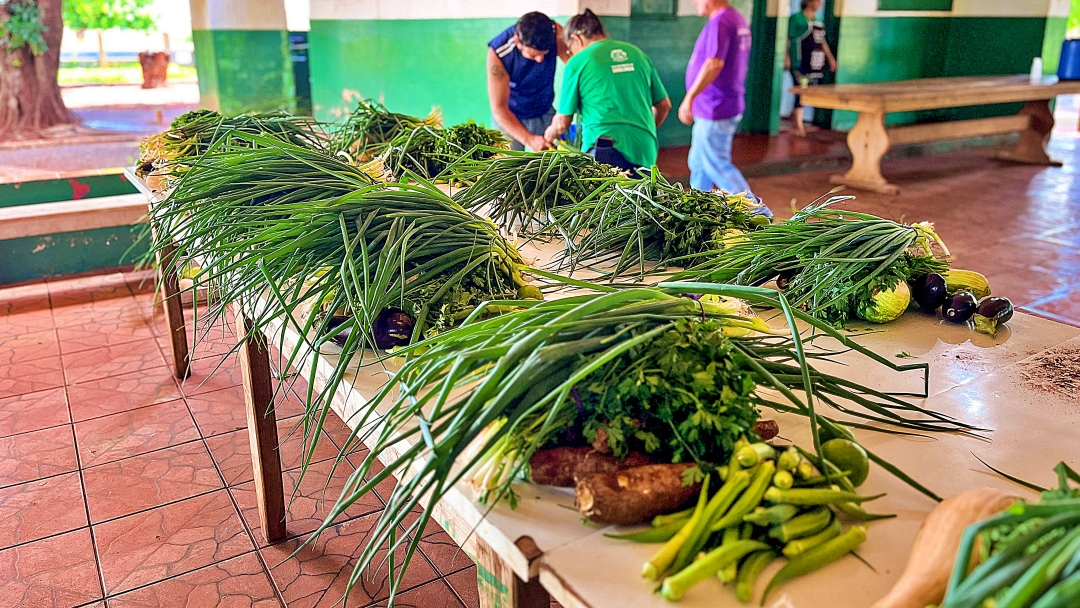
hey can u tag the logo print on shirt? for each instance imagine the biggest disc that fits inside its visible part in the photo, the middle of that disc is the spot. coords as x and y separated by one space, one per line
618 55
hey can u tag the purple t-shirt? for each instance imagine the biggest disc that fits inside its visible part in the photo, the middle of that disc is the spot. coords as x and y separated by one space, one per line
726 36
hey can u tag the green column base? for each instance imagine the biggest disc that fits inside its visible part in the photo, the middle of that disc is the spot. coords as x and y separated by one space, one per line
243 71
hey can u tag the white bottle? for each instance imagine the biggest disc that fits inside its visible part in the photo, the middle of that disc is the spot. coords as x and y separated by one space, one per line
1036 70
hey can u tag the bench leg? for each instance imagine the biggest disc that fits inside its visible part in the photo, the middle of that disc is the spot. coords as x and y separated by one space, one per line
868 141
1032 145
262 430
498 585
174 312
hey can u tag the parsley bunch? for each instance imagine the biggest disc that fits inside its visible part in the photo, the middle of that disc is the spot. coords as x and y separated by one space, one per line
681 397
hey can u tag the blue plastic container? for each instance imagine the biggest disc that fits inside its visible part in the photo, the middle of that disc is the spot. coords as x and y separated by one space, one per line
1069 66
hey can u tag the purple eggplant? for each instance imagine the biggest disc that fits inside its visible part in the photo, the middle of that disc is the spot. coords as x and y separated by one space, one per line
333 324
960 307
991 313
929 292
393 327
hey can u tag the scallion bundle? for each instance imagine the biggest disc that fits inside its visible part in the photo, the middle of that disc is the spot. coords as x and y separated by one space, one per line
371 124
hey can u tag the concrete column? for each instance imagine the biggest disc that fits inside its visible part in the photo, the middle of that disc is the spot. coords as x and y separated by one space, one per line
242 55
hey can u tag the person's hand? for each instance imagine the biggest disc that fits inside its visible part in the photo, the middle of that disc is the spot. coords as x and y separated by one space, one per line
537 143
832 65
551 134
787 61
686 111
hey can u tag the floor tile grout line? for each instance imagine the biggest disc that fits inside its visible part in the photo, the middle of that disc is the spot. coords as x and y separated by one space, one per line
109 596
131 409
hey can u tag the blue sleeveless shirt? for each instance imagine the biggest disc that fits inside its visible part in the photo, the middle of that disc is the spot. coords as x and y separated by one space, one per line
532 85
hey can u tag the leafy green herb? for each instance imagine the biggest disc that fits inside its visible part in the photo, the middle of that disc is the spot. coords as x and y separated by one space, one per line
904 355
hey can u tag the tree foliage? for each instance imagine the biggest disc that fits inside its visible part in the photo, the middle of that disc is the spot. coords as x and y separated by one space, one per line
20 25
108 14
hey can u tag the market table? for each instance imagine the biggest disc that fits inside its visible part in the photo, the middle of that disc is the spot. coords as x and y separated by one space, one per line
869 139
542 547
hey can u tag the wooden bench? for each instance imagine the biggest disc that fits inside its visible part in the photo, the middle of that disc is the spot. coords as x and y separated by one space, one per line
869 139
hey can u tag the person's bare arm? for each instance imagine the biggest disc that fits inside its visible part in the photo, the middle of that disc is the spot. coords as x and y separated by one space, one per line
561 49
660 111
708 73
499 96
559 125
829 56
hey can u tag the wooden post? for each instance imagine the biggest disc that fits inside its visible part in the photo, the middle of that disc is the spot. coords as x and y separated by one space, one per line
174 311
1031 148
868 141
262 429
498 585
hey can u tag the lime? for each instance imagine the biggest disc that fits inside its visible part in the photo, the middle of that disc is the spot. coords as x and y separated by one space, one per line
849 456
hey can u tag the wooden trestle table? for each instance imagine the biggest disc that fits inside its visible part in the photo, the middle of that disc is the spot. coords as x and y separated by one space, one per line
543 548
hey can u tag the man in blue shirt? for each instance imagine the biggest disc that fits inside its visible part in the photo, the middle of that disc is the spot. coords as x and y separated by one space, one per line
521 78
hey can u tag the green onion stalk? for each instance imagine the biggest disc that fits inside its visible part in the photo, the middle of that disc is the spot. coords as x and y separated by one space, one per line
830 262
635 222
190 135
461 394
518 189
428 151
371 124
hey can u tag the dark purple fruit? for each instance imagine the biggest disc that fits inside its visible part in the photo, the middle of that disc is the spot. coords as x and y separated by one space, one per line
784 279
339 337
960 307
393 327
991 313
930 292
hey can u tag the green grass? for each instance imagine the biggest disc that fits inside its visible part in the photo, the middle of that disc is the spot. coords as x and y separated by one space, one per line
120 73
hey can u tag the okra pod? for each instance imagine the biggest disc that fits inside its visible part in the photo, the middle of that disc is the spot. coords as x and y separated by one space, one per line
818 480
783 480
805 469
656 534
719 503
679 516
749 571
776 514
661 561
676 585
858 513
807 524
799 545
789 460
754 453
817 557
725 574
814 496
749 499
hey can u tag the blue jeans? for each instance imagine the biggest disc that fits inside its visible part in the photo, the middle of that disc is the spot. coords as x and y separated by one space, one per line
710 158
536 126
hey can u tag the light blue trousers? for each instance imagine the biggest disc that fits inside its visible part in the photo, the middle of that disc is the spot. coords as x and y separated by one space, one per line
710 157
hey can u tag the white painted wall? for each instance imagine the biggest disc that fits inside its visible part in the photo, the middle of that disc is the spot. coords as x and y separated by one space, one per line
238 15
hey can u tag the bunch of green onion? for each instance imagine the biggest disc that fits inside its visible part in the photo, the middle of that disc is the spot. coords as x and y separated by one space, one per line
1030 554
828 258
371 124
512 376
428 151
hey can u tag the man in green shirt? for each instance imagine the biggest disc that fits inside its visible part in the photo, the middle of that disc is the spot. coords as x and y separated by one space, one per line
617 91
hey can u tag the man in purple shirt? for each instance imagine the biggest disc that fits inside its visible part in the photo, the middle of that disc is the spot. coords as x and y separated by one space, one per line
715 97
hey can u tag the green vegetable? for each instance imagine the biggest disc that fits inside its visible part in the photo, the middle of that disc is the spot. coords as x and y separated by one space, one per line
679 516
662 560
818 557
656 534
718 505
848 456
783 480
676 585
813 496
807 524
789 459
776 514
750 498
728 572
749 571
754 453
799 545
885 305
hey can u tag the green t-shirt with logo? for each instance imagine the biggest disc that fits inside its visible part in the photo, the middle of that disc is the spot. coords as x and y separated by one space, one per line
613 85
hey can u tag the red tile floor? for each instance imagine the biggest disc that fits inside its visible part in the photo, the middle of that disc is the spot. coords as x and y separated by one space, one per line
120 487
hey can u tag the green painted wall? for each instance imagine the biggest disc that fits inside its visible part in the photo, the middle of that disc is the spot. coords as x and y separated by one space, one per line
765 79
70 252
383 60
241 70
877 49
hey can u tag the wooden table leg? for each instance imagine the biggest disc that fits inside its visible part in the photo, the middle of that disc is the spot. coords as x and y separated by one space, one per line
868 141
1031 148
174 311
262 430
498 585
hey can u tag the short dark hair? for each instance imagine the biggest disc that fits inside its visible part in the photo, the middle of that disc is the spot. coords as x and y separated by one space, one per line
586 24
536 30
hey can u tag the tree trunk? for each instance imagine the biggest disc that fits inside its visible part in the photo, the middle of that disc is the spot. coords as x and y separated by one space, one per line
102 61
29 94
